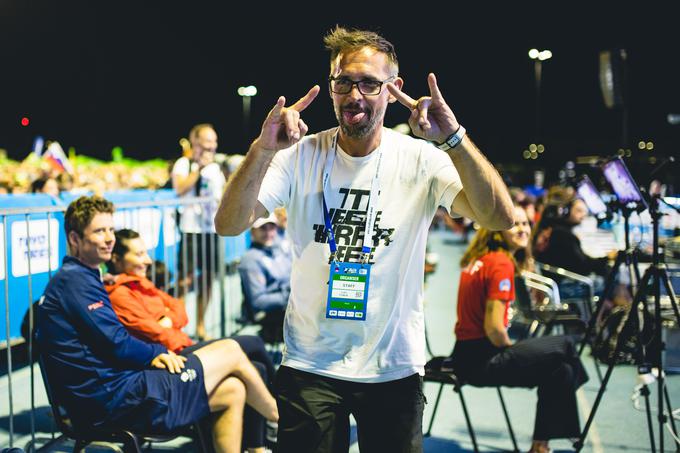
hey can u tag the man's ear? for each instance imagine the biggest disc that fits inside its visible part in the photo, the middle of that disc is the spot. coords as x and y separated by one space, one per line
73 240
399 83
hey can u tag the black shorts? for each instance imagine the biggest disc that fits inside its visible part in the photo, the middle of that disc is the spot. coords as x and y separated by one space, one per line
161 402
314 413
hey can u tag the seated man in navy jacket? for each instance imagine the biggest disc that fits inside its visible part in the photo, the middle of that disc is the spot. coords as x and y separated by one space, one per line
105 377
265 277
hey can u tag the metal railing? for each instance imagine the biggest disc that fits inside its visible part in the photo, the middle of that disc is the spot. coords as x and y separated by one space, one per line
157 223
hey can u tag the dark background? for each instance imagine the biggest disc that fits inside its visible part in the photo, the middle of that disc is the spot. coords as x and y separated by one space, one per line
139 75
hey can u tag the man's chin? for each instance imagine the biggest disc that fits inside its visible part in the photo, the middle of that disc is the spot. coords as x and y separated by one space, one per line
356 130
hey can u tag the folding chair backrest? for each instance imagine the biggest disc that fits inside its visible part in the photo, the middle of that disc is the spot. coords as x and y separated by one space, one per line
58 410
522 297
544 284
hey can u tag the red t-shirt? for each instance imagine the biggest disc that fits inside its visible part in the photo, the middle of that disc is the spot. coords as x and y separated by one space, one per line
490 277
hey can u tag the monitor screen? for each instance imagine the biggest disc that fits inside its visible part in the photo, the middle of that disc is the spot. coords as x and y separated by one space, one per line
588 193
622 183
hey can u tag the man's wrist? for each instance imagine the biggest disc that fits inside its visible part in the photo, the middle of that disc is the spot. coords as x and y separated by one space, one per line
453 140
256 147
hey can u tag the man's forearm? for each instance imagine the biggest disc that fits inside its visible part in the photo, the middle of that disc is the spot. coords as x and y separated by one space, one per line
485 190
240 196
182 184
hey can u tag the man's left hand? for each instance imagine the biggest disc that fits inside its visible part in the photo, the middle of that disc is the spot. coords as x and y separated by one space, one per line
431 117
169 361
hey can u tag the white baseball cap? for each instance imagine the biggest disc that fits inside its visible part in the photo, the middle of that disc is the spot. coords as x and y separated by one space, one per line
271 218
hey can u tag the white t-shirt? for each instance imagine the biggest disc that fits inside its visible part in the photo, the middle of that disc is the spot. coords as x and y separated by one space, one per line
415 179
200 218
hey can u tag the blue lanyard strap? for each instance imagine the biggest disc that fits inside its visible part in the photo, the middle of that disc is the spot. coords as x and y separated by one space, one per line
329 229
370 211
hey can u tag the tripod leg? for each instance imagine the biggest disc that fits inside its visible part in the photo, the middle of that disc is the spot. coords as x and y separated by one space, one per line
578 445
597 369
608 288
670 414
648 410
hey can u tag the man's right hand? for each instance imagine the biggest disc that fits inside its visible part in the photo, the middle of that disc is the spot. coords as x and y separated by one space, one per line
283 126
169 361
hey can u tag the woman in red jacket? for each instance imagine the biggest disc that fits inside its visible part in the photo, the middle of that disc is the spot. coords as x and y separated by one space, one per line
484 355
153 315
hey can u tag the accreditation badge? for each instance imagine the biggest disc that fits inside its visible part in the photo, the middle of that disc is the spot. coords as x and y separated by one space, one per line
348 291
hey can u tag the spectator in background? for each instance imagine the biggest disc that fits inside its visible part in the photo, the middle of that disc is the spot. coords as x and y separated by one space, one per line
265 274
555 243
199 176
65 182
526 201
45 185
484 355
153 315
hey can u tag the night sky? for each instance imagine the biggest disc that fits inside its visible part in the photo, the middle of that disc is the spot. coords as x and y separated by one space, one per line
139 75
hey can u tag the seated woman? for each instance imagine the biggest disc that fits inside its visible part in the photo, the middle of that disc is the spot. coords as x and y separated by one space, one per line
484 355
556 244
154 316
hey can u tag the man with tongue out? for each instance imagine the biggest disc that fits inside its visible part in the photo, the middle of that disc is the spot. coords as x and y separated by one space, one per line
360 199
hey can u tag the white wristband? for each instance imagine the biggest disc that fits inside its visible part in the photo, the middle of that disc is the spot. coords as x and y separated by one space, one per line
453 140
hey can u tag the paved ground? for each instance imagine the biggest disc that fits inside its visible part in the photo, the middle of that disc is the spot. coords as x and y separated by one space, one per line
618 427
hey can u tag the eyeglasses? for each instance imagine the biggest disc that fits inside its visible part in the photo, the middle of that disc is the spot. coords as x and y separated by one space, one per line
367 87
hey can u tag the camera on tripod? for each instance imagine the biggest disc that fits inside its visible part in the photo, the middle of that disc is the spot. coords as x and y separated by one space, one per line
634 333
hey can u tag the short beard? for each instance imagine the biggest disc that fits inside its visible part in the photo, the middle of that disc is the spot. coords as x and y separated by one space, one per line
359 131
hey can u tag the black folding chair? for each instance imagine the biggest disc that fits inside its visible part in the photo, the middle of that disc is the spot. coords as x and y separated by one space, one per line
434 372
541 319
132 441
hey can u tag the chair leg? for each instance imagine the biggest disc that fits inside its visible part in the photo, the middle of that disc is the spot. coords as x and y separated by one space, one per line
79 446
201 437
459 390
434 410
131 444
507 420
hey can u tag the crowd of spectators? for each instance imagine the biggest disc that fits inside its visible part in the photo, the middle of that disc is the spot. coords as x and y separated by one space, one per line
38 174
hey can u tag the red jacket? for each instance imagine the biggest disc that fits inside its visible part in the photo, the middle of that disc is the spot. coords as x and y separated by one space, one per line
140 305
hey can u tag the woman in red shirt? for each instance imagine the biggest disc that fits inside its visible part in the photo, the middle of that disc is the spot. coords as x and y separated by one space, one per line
484 355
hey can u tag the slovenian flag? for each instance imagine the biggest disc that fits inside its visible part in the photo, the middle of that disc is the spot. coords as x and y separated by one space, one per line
56 157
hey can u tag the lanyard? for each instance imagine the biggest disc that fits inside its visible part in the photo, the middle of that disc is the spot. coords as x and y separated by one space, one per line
370 211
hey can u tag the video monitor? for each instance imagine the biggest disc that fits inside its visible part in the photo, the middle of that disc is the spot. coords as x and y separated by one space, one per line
588 193
623 184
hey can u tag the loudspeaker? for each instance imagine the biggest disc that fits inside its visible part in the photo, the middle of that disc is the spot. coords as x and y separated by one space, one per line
612 77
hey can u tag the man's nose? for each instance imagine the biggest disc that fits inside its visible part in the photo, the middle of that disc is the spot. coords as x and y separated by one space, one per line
354 93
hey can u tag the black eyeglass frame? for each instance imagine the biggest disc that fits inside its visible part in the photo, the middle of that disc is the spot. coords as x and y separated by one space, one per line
332 79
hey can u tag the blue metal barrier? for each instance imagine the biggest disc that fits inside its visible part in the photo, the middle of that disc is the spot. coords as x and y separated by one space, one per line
23 281
31 249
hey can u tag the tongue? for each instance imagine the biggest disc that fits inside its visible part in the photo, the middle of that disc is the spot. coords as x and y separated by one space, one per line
353 117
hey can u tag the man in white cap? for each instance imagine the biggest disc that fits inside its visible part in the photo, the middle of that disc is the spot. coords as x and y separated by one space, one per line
265 271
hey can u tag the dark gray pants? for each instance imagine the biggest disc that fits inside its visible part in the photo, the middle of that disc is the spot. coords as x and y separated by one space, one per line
314 413
549 363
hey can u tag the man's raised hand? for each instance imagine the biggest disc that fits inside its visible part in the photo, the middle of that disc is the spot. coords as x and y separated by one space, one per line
431 118
283 126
